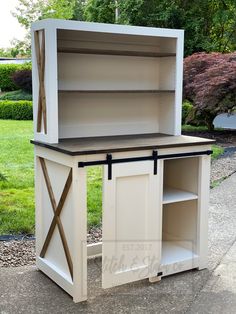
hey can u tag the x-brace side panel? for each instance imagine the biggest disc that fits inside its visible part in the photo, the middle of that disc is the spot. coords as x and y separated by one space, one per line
40 57
56 221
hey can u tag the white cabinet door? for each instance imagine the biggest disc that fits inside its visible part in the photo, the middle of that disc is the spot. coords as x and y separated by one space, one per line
131 223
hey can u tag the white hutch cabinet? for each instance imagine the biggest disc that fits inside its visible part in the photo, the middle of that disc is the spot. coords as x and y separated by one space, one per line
111 95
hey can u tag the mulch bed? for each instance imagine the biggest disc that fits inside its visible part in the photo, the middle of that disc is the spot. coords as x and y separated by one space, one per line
20 252
224 138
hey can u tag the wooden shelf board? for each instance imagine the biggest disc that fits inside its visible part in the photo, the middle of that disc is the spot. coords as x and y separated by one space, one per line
174 252
173 195
157 91
116 52
122 143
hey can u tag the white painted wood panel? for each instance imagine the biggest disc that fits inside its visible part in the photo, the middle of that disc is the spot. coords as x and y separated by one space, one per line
115 42
166 113
79 228
179 84
131 224
167 73
203 205
94 72
83 115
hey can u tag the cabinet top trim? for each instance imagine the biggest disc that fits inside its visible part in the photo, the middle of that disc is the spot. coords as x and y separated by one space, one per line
122 143
106 28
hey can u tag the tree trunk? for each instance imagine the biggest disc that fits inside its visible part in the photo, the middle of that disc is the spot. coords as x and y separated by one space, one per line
209 123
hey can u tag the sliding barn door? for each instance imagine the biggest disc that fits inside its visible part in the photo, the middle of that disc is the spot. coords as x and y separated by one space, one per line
131 224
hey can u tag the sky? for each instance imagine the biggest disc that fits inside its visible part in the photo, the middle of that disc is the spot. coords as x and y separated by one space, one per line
9 26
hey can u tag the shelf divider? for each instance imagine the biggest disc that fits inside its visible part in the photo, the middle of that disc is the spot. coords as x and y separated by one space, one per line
142 91
173 195
116 52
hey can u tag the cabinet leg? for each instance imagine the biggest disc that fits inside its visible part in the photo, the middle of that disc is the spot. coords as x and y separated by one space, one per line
154 279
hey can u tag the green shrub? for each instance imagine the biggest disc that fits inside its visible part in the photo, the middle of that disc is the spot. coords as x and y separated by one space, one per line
6 73
16 110
16 95
187 108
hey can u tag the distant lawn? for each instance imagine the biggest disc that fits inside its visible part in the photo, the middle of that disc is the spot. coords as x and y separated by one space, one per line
191 128
16 177
17 180
201 128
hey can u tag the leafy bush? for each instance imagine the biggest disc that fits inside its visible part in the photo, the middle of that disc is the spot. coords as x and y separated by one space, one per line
6 72
187 107
16 110
23 79
16 95
210 84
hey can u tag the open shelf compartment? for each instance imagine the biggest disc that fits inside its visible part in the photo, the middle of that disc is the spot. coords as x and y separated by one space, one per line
180 179
179 233
180 214
114 84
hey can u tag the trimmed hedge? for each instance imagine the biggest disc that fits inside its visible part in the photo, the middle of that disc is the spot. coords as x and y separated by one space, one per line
16 110
16 95
6 73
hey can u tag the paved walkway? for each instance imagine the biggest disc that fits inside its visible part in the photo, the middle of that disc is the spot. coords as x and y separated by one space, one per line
213 290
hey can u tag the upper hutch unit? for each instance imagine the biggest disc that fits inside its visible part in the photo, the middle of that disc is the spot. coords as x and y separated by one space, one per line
98 79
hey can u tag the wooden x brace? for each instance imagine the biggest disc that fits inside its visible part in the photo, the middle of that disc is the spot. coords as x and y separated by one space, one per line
40 56
56 219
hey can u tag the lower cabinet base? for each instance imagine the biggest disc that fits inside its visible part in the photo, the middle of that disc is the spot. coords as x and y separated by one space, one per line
154 223
175 259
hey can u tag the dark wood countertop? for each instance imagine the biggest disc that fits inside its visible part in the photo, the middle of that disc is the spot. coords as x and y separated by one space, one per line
121 143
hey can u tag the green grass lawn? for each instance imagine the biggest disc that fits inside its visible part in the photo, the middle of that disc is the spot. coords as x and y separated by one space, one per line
217 151
17 177
191 128
17 180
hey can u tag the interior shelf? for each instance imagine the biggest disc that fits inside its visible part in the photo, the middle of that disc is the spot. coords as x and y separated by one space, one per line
173 195
174 252
116 52
154 91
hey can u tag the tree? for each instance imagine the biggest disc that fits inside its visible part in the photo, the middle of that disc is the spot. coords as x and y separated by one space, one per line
100 11
209 25
29 11
79 9
5 53
21 47
210 84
